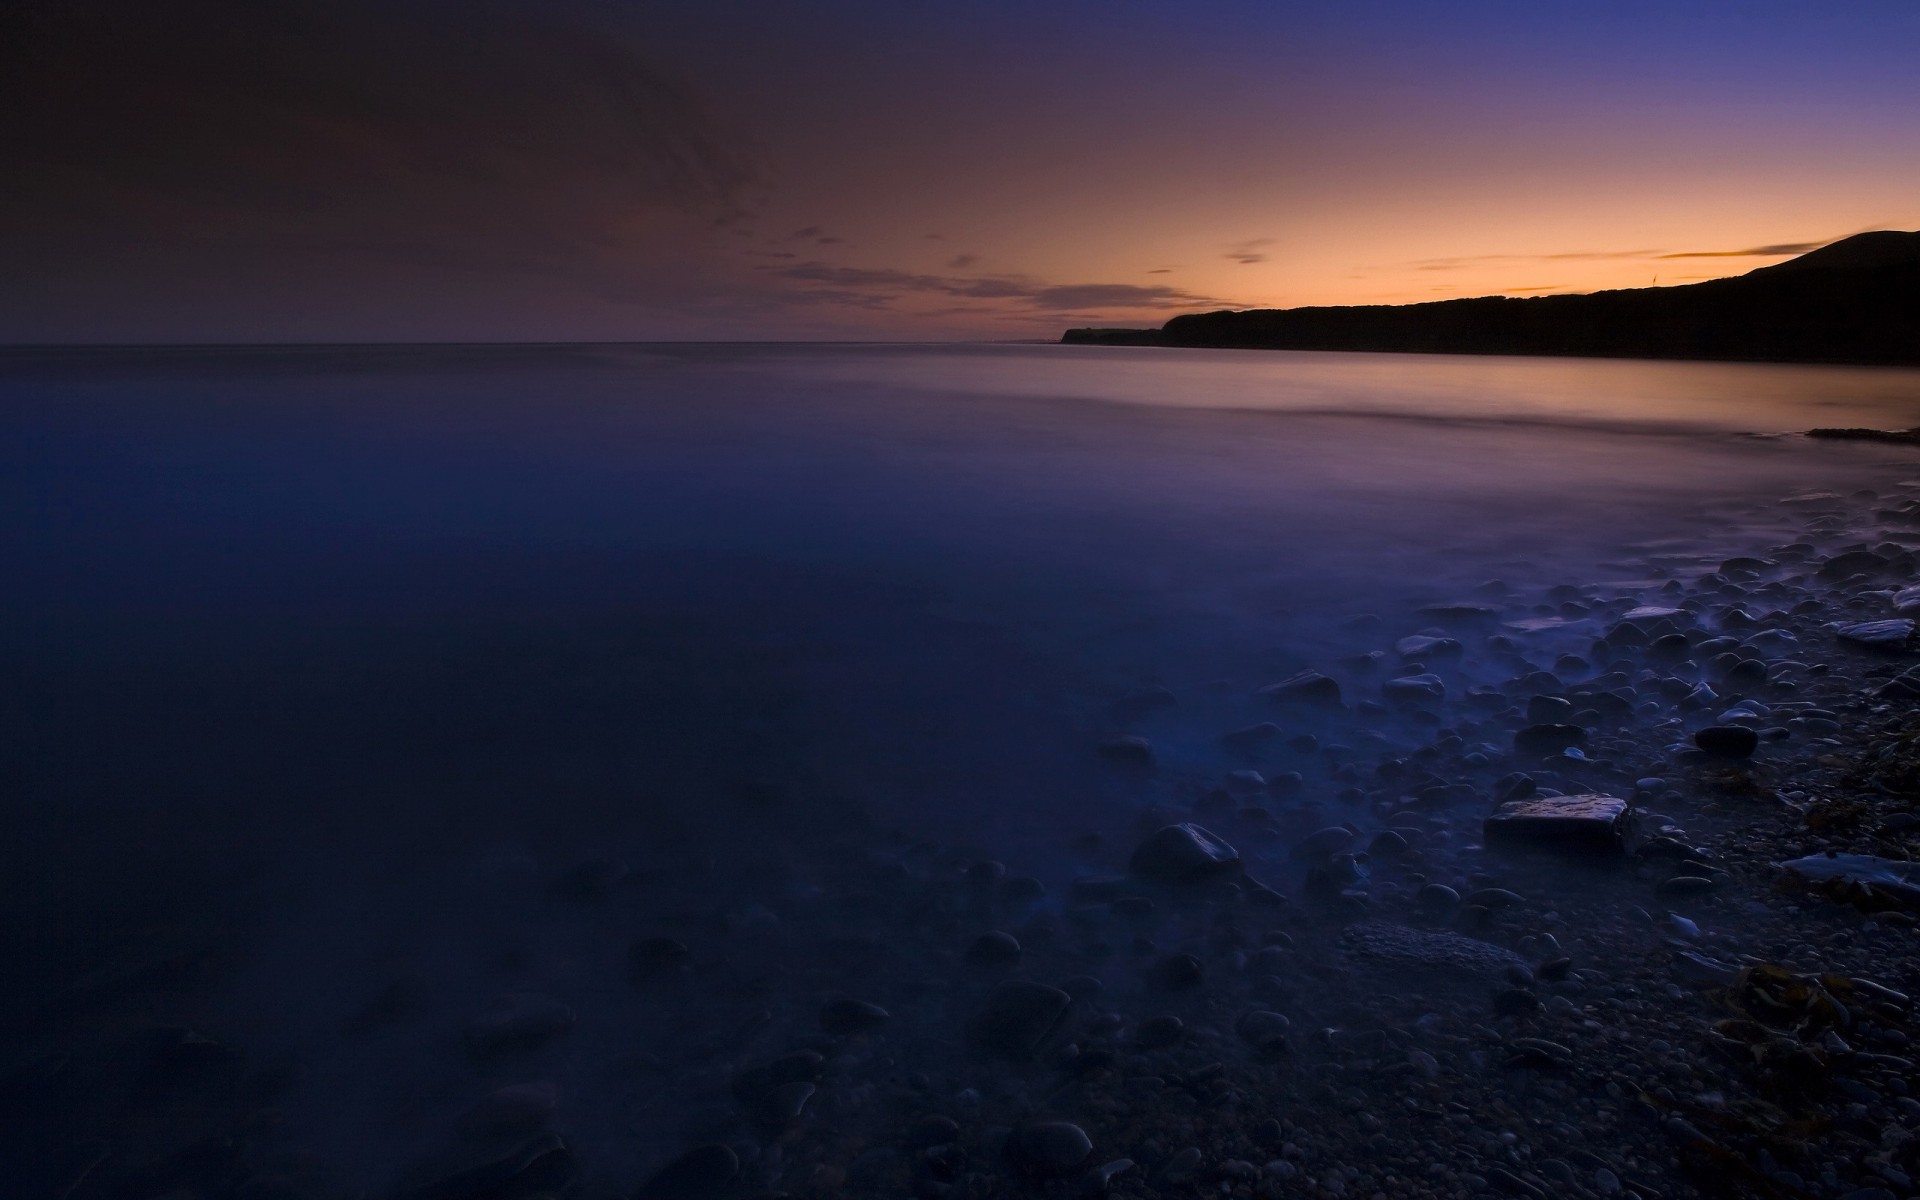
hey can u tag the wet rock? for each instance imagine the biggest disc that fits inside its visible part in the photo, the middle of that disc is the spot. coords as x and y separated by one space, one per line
1863 879
1176 972
1251 738
848 1016
1728 741
516 1111
658 955
1017 1017
784 1105
1049 1147
699 1174
1128 748
526 1022
1585 824
1878 635
993 949
1438 897
1548 739
1515 1002
1265 1031
1334 839
1155 1033
1304 687
1399 947
1425 646
1549 710
933 1130
1387 843
1412 689
541 1164
1184 854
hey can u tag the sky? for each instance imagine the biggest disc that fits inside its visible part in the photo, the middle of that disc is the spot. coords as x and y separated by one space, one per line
401 170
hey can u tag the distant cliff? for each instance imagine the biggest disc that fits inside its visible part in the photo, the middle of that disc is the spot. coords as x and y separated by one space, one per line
1856 301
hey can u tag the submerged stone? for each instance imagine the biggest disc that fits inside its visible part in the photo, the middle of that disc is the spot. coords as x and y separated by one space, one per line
1184 854
1728 741
699 1173
1304 687
1017 1017
1402 948
1411 689
1548 739
1589 824
1879 635
1049 1147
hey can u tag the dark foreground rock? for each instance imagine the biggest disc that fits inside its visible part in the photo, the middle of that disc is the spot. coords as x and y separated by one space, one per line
1184 854
1589 824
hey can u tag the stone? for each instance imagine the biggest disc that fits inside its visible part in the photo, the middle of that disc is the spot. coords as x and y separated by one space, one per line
528 1020
1549 710
1157 1032
1184 854
1176 972
1585 824
1017 1017
1548 739
1906 602
1402 948
992 949
542 1164
516 1111
1424 646
1334 839
1265 1031
1411 689
702 1172
1728 741
1878 635
847 1016
1861 878
1250 738
1049 1147
1128 748
1304 687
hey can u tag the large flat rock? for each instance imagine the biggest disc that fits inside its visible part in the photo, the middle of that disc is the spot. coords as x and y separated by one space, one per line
1401 948
1590 824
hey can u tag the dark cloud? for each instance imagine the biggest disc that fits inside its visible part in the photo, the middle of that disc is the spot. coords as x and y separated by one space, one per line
961 262
260 148
1161 271
1249 252
1780 250
1030 294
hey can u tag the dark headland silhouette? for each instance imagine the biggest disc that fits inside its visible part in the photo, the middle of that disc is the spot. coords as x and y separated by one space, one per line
1855 301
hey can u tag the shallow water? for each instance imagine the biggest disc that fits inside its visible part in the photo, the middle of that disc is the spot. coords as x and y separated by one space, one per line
326 650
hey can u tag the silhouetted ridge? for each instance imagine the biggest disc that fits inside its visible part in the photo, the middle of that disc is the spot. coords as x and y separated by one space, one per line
1855 301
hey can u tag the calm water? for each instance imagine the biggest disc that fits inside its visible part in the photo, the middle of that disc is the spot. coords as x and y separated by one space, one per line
312 648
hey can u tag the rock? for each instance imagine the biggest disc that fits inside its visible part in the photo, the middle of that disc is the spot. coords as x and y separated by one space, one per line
1184 854
1906 602
934 1130
1515 1002
1157 1032
700 1173
783 1105
1878 635
1863 879
1685 885
1411 689
1438 897
1728 741
1651 612
846 1016
1304 687
1387 843
1549 710
528 1020
1265 1031
1548 739
515 1111
543 1164
992 949
1176 972
1334 839
1423 646
1250 738
1853 562
1017 1018
1400 948
1128 748
658 955
1586 824
1049 1147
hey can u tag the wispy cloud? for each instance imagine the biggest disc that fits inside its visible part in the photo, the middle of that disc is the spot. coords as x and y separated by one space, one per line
1455 264
1249 252
961 262
877 286
1780 250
